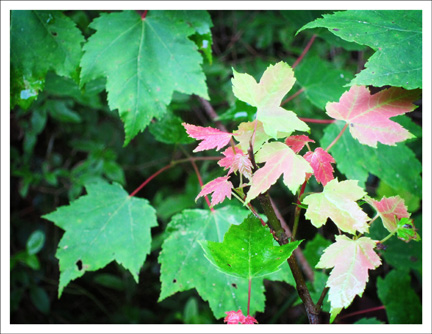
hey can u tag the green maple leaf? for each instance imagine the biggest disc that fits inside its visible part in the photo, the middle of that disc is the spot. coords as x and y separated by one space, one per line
144 62
247 250
406 230
267 95
394 35
103 226
41 41
184 266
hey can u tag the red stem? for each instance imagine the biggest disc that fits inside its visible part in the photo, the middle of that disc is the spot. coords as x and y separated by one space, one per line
143 15
201 183
249 295
150 178
337 138
306 49
313 120
373 309
292 96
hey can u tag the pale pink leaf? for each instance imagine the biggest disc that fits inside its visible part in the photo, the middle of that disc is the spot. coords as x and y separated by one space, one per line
236 160
279 160
321 162
298 142
211 138
220 187
390 210
233 317
337 202
352 260
369 115
244 135
267 95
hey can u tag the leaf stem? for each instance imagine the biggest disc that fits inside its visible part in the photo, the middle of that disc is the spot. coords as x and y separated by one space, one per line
249 295
337 138
388 237
313 120
143 15
297 210
306 49
289 98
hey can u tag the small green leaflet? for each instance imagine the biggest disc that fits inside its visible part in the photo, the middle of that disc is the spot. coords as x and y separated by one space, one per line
267 95
247 250
102 226
41 41
144 61
406 230
395 35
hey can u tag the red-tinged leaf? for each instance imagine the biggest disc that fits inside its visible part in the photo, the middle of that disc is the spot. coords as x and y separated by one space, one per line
406 230
369 115
220 187
279 159
233 317
351 260
211 138
390 210
337 202
249 320
244 134
321 162
237 161
298 142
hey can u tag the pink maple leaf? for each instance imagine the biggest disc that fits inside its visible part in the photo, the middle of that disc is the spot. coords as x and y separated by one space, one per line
220 187
296 143
233 317
236 160
321 162
369 115
390 210
211 137
249 320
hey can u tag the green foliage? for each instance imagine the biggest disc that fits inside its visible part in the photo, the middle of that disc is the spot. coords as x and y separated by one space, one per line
384 32
105 216
81 79
402 304
247 251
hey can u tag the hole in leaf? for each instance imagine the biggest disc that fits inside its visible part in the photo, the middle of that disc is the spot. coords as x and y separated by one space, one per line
234 285
79 264
174 280
53 33
228 265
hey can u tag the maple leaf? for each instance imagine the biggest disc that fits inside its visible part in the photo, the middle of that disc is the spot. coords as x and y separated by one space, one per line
102 226
267 95
144 62
390 210
279 159
233 317
337 201
249 320
351 260
321 162
406 230
369 115
220 187
236 161
244 134
211 137
296 143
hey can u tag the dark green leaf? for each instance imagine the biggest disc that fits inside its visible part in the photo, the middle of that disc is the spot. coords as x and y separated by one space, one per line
144 61
169 130
40 299
395 35
402 304
369 321
315 248
102 226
